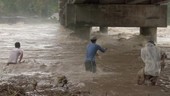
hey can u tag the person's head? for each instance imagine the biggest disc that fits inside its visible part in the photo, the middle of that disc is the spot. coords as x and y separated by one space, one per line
93 39
152 42
17 45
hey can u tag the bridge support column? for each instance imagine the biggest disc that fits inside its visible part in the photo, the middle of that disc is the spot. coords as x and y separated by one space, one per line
62 5
82 32
149 32
103 29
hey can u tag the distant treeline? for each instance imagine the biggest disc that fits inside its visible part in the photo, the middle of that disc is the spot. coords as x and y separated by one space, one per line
28 7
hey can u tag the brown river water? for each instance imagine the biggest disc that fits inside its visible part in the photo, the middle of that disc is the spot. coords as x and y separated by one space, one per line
50 51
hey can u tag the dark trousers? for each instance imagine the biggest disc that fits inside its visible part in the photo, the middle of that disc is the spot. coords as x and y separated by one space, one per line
90 66
152 79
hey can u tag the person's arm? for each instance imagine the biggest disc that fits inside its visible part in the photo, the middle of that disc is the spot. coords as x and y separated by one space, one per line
98 56
163 57
143 55
102 49
20 56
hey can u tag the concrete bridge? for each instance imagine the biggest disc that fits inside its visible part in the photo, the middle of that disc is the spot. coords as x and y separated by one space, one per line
81 15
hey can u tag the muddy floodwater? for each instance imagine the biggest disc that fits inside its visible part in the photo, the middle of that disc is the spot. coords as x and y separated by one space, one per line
50 52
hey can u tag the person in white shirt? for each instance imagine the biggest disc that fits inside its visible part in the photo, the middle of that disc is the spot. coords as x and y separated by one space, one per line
16 55
153 57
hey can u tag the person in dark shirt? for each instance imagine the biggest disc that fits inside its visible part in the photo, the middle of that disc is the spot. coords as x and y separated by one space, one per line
91 52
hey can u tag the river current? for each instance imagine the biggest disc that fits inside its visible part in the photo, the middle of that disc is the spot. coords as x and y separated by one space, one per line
50 50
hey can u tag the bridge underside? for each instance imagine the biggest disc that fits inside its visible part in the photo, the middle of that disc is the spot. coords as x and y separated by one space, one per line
146 14
116 15
118 1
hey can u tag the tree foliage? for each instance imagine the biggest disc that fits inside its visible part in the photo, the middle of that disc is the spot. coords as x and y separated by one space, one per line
28 7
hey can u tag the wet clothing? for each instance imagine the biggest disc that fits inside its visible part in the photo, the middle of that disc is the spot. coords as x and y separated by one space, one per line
90 66
151 56
14 55
152 79
91 52
92 49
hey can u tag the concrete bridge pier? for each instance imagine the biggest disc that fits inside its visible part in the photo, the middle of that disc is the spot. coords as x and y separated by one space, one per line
86 13
103 29
82 32
62 6
149 32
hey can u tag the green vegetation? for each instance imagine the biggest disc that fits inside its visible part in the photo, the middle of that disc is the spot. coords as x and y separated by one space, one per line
28 7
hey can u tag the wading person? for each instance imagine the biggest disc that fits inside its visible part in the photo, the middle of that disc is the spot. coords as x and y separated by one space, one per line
91 52
16 55
153 58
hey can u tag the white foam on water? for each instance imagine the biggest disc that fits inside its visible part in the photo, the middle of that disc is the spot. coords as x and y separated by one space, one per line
47 41
163 34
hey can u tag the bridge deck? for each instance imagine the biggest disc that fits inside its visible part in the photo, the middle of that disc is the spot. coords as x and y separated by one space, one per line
117 15
121 1
114 13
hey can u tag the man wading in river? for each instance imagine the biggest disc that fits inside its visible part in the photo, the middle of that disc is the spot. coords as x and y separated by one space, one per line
153 58
16 55
91 52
